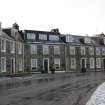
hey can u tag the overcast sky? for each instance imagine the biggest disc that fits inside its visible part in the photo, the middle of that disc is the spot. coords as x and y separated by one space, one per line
78 17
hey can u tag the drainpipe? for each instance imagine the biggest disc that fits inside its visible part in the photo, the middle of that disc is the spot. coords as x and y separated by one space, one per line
65 59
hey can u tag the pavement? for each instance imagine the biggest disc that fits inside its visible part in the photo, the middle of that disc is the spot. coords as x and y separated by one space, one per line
98 97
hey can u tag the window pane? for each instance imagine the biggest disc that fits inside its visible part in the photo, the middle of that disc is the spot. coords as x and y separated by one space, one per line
45 49
82 50
3 45
3 64
12 46
69 39
53 37
33 49
103 51
20 64
56 50
98 51
91 51
31 36
72 50
57 63
42 37
98 62
92 63
34 64
73 63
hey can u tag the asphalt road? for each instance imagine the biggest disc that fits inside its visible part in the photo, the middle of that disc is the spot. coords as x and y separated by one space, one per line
50 89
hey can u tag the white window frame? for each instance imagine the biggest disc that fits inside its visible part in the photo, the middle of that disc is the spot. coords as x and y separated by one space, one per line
103 51
42 36
33 49
73 63
98 51
69 39
45 49
4 45
83 50
98 62
91 50
31 36
36 63
3 66
57 62
56 49
53 37
72 50
12 46
92 65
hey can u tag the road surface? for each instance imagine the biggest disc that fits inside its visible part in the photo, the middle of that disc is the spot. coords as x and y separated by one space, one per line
50 89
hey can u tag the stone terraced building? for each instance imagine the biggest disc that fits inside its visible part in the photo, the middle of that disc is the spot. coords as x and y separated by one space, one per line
39 51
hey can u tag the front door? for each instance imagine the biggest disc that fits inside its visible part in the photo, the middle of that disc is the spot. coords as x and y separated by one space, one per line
12 65
104 64
83 65
45 65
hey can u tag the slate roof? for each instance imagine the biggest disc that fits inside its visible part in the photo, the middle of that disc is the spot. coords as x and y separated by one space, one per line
4 35
42 32
79 40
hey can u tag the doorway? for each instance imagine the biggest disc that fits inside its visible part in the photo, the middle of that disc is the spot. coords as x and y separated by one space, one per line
46 65
83 65
104 64
12 65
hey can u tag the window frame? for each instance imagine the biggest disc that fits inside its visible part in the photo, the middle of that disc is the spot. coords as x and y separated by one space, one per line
20 65
53 37
72 50
56 50
33 46
98 65
3 45
92 63
83 50
69 39
74 64
45 49
31 36
12 46
42 36
4 64
19 47
98 51
91 50
58 63
35 65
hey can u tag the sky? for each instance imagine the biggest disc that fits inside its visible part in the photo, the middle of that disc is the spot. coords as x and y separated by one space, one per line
77 17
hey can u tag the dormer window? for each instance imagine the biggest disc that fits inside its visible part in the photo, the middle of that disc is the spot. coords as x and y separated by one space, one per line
42 37
69 39
53 37
87 40
31 36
